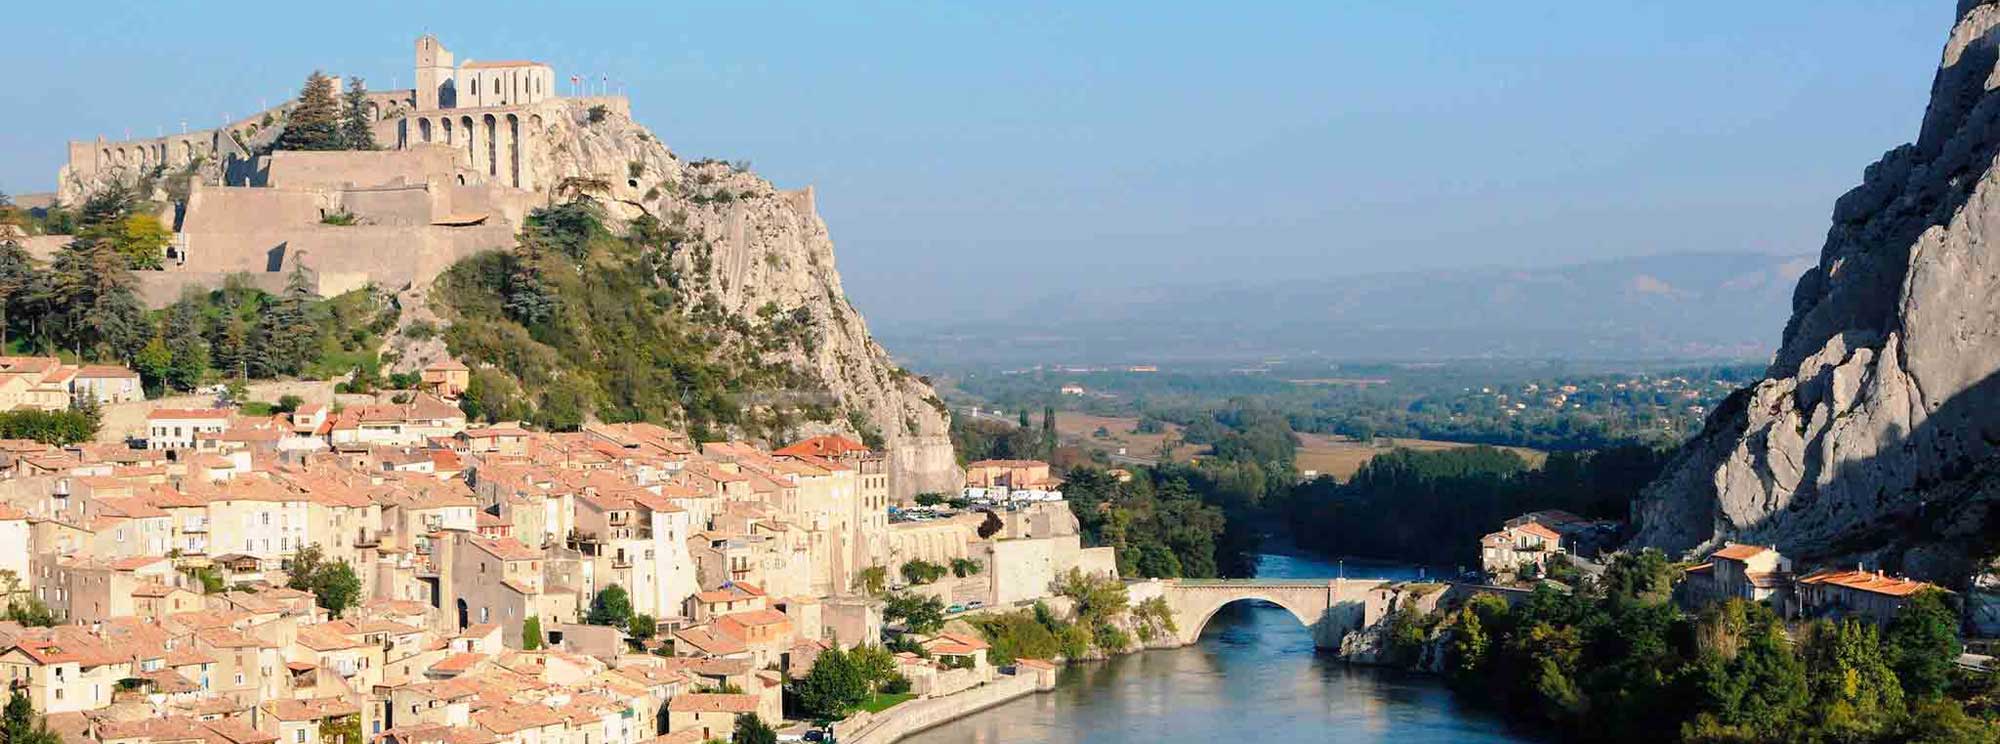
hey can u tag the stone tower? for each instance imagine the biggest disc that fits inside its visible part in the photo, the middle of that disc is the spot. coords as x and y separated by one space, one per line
437 79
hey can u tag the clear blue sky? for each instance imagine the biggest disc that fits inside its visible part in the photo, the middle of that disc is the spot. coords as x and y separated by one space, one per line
971 155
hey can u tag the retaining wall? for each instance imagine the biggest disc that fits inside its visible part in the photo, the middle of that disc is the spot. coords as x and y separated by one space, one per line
895 723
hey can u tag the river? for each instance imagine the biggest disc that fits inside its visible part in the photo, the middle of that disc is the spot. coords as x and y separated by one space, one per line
1253 677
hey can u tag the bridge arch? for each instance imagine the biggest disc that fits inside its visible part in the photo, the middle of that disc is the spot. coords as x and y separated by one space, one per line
1329 609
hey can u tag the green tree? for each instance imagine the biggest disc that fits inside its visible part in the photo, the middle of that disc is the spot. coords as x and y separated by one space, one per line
22 726
1469 645
875 665
333 583
287 334
919 613
531 633
97 313
833 687
60 428
30 611
188 350
872 581
1922 644
141 239
752 730
920 571
357 131
314 122
1855 696
18 279
612 606
963 567
154 363
642 627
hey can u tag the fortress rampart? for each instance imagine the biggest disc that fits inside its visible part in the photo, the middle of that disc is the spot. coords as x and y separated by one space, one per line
456 173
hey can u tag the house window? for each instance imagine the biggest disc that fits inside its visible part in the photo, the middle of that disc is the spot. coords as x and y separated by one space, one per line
299 736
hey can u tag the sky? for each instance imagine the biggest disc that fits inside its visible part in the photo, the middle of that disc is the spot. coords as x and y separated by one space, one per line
973 157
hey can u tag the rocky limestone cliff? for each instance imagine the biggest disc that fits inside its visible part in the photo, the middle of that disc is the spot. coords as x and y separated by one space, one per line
753 246
1883 393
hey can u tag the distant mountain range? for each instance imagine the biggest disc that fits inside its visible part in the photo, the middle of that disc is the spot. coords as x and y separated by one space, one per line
1692 305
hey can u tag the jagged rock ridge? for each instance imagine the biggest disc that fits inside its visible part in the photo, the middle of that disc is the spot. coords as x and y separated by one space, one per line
758 246
1884 386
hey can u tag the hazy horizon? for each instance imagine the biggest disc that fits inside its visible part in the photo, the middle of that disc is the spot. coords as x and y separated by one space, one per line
966 158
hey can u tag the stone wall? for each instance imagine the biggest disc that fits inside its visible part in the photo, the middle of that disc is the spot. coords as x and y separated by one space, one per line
161 288
1024 569
903 720
368 168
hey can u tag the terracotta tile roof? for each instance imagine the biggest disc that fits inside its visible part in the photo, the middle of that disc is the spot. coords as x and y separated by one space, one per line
459 662
1874 583
824 446
1739 552
1539 530
505 548
711 702
710 642
519 717
311 709
755 618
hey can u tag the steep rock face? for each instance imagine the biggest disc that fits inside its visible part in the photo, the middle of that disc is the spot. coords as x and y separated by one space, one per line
1884 387
753 248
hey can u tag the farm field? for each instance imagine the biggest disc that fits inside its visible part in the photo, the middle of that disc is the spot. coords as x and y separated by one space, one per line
1122 432
1323 454
1340 457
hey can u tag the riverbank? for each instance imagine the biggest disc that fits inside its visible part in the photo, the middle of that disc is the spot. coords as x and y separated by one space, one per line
947 712
893 724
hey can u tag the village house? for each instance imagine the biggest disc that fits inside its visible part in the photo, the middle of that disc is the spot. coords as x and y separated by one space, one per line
1755 573
1872 596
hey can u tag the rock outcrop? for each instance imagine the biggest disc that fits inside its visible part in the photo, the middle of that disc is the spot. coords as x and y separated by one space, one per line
756 249
1883 396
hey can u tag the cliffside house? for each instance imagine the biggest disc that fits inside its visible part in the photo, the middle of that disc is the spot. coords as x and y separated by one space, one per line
1873 596
1753 572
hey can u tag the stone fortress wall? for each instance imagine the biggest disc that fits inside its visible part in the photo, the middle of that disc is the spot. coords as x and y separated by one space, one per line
452 180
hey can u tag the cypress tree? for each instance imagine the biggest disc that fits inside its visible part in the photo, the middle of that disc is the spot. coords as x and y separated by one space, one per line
356 131
313 124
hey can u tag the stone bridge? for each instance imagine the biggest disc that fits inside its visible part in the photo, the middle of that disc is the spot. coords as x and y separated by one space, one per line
1330 608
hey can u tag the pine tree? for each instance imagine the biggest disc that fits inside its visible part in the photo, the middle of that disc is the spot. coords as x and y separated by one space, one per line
287 337
313 124
183 336
98 313
17 279
231 348
356 131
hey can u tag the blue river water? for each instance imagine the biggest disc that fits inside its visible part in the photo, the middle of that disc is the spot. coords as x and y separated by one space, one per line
1254 676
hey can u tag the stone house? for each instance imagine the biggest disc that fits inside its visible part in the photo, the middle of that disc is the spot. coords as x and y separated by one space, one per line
1872 596
106 383
714 714
1752 572
177 428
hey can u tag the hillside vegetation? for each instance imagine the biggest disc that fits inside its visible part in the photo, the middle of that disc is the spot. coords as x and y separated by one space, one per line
578 322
